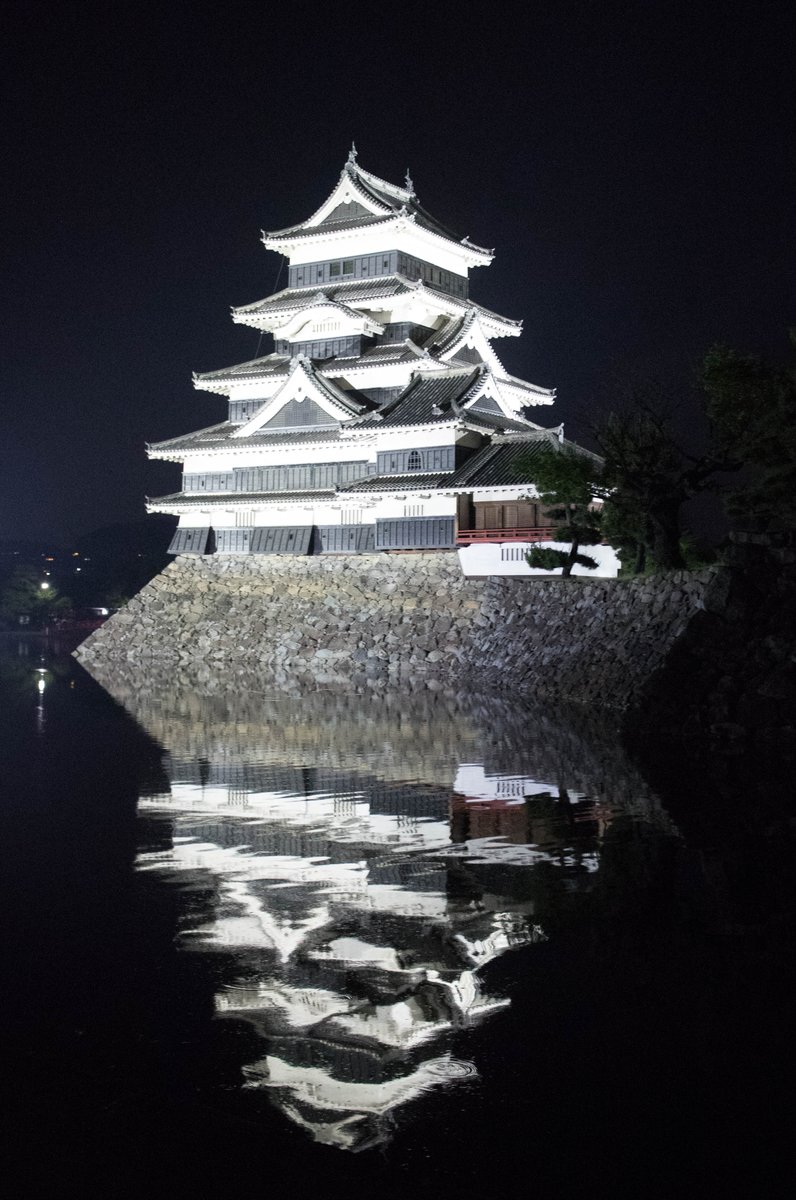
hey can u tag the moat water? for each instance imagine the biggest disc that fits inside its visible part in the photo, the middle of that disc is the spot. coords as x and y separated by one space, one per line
406 942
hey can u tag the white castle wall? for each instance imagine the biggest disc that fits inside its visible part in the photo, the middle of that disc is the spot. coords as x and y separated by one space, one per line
508 558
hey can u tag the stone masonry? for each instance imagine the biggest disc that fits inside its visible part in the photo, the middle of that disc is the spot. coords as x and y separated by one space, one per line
407 619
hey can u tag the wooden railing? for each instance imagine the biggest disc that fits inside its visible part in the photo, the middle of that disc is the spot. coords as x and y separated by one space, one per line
466 537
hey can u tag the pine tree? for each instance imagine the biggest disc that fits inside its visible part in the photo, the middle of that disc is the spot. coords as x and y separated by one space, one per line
752 410
567 483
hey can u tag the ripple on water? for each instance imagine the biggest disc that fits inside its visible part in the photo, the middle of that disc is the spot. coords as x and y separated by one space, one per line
452 1068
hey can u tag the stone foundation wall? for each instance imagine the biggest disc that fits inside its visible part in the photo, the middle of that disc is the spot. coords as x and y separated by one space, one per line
411 619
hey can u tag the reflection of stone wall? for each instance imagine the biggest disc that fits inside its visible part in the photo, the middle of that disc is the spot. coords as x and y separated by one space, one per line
423 736
405 619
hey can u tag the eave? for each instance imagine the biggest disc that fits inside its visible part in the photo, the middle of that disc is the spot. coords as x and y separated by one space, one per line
180 502
258 315
471 255
280 440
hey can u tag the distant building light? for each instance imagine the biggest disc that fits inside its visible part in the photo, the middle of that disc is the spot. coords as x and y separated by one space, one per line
78 569
44 586
41 685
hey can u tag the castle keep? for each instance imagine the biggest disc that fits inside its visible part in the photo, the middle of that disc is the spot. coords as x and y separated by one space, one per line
383 419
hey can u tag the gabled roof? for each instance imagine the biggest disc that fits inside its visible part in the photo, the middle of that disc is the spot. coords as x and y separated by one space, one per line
382 202
304 381
461 335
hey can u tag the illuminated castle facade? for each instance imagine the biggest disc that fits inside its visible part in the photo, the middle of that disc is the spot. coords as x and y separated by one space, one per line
383 419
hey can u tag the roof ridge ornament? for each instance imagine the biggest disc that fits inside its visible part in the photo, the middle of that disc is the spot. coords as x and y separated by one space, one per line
352 154
410 187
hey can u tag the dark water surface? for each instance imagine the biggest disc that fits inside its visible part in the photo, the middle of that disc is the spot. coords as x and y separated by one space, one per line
404 943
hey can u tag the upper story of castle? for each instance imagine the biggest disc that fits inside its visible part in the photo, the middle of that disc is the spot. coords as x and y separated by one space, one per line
375 331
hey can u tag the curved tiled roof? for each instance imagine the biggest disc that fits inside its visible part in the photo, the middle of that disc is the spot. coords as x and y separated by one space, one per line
392 483
390 201
232 499
220 437
359 291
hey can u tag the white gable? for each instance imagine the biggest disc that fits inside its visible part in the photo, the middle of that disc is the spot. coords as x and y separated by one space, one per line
325 319
346 192
490 389
472 337
299 387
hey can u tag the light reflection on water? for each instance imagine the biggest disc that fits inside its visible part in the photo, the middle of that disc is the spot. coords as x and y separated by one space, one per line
369 856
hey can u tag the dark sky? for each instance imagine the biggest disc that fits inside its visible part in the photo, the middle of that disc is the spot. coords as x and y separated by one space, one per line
632 164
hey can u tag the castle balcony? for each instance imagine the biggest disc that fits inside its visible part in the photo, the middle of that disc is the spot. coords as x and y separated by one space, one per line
469 537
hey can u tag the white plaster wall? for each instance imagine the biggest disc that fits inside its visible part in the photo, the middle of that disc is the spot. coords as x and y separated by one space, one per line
433 505
503 494
258 389
282 456
387 376
488 559
407 439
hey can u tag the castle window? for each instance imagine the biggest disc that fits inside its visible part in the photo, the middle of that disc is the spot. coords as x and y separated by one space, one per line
334 268
415 461
348 266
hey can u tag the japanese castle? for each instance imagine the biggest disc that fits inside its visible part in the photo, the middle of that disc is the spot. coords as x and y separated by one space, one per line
383 419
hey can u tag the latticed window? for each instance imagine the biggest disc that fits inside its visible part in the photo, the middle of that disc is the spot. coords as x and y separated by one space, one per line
415 461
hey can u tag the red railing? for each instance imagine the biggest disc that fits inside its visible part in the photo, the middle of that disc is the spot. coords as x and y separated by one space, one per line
466 537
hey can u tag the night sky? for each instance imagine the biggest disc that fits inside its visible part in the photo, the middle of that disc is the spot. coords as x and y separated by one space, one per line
632 164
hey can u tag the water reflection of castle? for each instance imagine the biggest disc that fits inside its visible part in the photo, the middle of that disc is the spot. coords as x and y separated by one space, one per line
360 906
